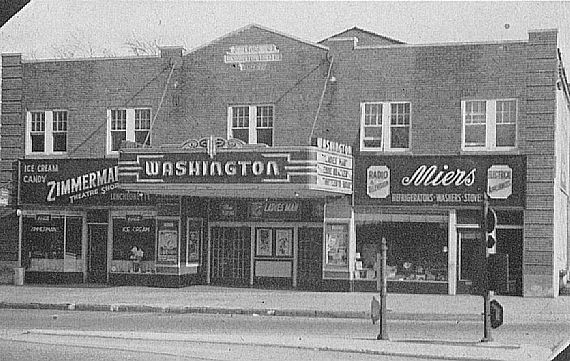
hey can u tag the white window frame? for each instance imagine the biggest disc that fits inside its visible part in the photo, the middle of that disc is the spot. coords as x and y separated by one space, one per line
490 125
48 133
130 127
252 123
386 139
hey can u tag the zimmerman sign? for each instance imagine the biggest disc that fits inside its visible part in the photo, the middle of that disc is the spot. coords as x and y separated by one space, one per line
72 181
441 180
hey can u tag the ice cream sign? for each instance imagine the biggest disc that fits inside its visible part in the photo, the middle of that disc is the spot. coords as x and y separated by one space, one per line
499 181
378 181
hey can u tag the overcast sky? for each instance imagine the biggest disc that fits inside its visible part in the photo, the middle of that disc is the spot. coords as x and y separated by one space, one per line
44 27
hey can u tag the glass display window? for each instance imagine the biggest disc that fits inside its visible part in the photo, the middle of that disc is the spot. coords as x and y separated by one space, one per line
194 240
274 242
336 243
134 244
416 251
52 243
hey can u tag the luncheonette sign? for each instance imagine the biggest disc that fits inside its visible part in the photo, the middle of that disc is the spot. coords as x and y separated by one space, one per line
441 180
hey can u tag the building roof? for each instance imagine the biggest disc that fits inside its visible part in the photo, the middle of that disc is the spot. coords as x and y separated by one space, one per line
365 37
250 26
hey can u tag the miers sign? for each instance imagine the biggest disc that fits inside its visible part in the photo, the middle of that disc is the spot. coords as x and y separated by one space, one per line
440 180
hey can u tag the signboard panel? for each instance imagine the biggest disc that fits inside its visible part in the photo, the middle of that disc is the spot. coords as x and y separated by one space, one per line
194 167
327 167
73 182
440 180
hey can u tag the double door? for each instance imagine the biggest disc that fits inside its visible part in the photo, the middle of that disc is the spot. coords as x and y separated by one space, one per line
231 256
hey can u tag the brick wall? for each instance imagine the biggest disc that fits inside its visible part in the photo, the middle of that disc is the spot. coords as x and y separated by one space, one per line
12 146
433 78
539 120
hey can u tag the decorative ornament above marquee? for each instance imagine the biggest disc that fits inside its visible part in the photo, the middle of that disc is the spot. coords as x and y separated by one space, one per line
211 144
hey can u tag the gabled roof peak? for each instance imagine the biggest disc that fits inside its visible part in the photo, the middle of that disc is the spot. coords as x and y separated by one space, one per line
261 27
371 36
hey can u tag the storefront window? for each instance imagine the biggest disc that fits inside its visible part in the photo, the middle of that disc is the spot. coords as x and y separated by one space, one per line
52 243
336 237
416 251
193 241
168 242
134 245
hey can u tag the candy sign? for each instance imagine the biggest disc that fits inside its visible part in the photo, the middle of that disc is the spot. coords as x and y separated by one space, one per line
378 181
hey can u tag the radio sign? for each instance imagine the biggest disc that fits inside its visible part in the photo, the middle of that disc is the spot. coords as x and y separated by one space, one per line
378 181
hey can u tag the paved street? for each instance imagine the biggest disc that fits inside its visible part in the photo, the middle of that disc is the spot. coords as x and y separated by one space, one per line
429 326
105 335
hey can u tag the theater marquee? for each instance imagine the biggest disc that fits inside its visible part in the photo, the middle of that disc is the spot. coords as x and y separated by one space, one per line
234 169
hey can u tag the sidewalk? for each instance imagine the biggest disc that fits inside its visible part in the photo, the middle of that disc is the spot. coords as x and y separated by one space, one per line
210 299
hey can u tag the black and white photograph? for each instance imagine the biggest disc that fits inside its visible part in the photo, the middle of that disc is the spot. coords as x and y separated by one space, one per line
284 180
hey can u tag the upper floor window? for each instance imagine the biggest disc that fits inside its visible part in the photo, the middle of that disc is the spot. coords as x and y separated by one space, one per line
489 124
46 132
251 123
385 126
127 124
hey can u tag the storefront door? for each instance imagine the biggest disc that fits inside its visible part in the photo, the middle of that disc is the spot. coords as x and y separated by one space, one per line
469 244
97 254
231 255
310 266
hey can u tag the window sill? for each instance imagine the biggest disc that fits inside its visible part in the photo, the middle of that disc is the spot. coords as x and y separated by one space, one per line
385 152
490 151
46 155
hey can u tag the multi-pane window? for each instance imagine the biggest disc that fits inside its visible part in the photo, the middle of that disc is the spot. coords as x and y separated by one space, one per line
506 123
59 132
400 126
385 126
46 132
240 123
38 132
142 126
251 123
489 124
265 125
475 123
132 125
118 128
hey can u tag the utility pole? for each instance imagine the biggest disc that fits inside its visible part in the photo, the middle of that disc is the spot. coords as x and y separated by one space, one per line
486 293
382 285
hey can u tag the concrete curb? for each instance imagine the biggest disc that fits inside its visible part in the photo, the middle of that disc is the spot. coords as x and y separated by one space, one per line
424 349
237 311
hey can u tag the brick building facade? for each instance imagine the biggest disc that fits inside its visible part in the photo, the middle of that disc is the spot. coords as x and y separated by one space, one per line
264 160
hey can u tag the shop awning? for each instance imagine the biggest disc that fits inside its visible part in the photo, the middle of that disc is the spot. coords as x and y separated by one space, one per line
236 172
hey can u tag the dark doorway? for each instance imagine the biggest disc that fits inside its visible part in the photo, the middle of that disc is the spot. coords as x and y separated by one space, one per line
231 254
310 267
97 254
